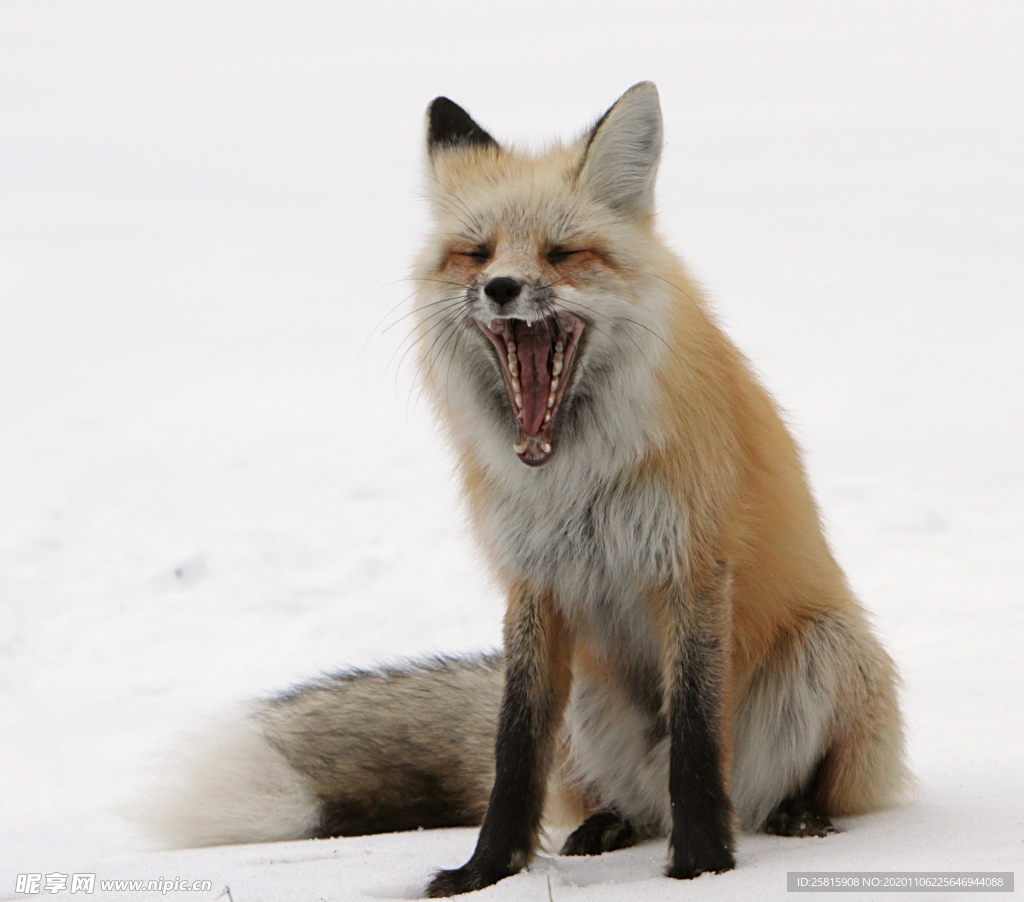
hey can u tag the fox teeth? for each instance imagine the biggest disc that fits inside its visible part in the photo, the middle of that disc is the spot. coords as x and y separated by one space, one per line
513 364
516 387
545 447
559 346
551 400
520 448
554 384
511 347
519 400
556 367
547 417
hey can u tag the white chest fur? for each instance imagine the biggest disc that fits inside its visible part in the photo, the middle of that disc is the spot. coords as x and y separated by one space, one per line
595 541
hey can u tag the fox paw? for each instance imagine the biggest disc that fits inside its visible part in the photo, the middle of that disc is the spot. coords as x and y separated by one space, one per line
710 860
601 832
460 880
797 817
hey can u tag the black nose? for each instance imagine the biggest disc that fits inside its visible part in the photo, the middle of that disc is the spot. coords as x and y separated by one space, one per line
502 289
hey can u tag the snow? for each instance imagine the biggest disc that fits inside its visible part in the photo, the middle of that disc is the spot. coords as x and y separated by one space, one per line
217 478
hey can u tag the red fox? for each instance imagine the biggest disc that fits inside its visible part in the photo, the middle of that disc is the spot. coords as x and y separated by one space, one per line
682 654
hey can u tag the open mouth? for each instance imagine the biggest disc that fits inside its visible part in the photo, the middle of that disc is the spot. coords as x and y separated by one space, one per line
536 360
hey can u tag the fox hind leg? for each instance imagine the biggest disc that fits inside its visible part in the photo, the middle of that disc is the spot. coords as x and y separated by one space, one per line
819 733
864 767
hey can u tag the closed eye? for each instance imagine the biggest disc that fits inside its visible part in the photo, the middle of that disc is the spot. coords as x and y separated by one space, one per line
479 255
559 254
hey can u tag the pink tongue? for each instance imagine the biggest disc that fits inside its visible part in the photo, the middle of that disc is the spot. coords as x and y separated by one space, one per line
533 346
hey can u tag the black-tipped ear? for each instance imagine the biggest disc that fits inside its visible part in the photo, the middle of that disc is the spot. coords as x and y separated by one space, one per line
449 125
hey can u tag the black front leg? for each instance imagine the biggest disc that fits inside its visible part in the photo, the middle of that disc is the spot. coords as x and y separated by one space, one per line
702 837
537 677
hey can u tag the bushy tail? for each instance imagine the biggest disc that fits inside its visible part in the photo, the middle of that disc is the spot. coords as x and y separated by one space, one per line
366 751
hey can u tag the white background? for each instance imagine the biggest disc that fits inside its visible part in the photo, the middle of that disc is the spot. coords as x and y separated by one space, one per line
216 479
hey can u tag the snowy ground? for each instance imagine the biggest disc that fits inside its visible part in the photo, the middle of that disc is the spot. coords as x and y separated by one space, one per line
216 479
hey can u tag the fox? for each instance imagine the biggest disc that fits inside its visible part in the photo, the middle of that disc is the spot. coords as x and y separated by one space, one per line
682 655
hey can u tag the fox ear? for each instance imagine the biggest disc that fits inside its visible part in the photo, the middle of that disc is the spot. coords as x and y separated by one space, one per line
620 159
449 125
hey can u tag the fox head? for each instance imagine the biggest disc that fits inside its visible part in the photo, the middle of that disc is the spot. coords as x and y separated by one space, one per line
540 310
